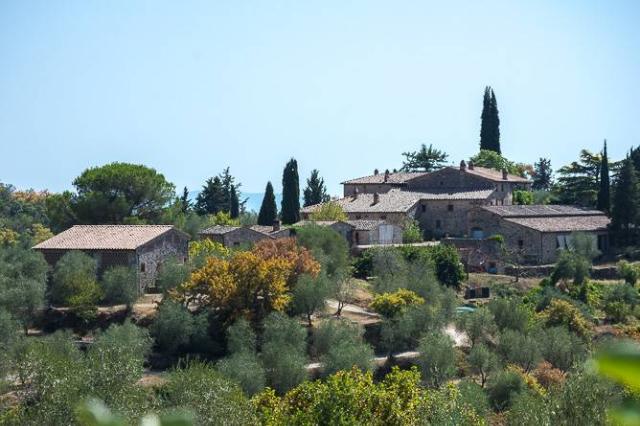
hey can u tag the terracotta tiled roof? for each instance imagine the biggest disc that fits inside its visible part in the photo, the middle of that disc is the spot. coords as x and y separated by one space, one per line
394 201
268 230
365 225
495 175
399 201
550 210
397 178
104 237
563 224
219 230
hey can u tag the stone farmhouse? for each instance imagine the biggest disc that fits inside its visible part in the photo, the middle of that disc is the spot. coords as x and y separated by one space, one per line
469 202
236 236
142 247
363 232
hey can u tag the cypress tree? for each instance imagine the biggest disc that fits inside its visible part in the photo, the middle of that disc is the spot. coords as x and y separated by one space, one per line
604 198
212 198
316 191
626 201
542 174
490 122
234 203
290 211
185 204
268 210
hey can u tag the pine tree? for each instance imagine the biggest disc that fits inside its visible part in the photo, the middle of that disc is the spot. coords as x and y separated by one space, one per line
490 122
604 198
229 186
268 210
625 213
316 191
290 211
542 175
234 207
185 203
211 199
425 160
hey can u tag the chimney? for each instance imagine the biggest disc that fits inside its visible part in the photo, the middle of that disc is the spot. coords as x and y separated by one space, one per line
386 175
504 174
470 165
376 198
376 172
276 225
463 166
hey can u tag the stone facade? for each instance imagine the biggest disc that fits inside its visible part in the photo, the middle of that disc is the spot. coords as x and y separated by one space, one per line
541 245
237 236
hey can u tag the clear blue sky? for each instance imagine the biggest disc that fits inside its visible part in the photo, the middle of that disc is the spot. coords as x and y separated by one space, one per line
343 86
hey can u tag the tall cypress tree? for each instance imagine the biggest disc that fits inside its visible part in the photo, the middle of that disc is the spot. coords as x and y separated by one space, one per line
490 122
626 201
234 203
185 204
316 191
290 211
604 198
268 210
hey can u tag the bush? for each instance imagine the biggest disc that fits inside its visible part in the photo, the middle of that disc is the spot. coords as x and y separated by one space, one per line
172 327
522 197
283 352
245 369
213 399
548 376
172 274
562 348
448 266
479 325
74 281
629 272
310 295
482 362
562 312
340 346
411 232
391 304
437 358
120 286
504 387
510 313
520 349
327 245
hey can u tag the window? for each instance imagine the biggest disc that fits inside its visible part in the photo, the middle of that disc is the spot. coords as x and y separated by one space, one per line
441 183
358 217
143 267
502 187
424 208
520 243
450 207
357 238
437 224
383 217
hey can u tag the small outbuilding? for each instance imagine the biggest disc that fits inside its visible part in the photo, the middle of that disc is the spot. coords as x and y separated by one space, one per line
142 247
236 236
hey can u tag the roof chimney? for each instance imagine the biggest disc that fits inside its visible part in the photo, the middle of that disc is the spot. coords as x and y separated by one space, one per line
463 166
504 174
276 225
376 172
376 198
386 175
470 165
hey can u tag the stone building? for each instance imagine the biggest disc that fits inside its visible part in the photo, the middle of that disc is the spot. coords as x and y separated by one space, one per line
439 201
236 236
363 232
142 247
537 233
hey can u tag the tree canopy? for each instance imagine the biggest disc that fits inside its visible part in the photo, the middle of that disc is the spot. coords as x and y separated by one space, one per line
490 122
290 211
426 159
316 191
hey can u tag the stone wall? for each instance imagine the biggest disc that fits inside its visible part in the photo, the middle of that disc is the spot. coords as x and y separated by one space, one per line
151 256
439 218
236 238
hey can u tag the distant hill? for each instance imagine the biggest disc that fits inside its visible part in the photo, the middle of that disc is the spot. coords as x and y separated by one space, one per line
254 199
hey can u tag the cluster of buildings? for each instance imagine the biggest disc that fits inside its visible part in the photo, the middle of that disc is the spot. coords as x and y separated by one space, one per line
467 206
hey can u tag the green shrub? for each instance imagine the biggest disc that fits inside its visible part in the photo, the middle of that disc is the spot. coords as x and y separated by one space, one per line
172 327
283 352
629 272
120 286
510 313
245 369
200 389
562 348
411 232
503 389
173 273
327 245
448 266
437 358
310 295
340 346
479 325
74 281
520 349
391 304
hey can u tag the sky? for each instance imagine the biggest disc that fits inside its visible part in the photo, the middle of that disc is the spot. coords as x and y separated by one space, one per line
344 86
